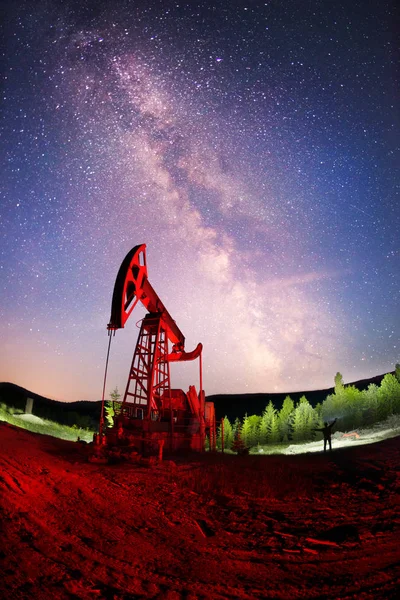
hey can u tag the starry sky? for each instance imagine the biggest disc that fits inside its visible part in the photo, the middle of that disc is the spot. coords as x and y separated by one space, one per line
252 146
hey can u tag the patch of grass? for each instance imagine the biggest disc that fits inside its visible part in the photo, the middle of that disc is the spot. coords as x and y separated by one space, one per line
44 427
269 449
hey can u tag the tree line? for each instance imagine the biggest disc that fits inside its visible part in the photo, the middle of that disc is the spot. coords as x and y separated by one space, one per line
352 407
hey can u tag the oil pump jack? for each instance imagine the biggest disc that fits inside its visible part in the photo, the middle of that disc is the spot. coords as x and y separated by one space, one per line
152 416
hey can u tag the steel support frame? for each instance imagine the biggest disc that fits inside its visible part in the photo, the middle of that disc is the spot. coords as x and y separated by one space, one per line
149 377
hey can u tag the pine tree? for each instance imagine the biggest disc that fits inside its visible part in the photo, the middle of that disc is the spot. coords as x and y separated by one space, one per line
370 404
238 444
271 417
110 407
318 422
298 424
236 427
389 396
246 432
329 409
339 385
335 404
254 423
263 430
352 417
303 420
219 437
228 434
318 411
311 419
274 435
266 422
284 418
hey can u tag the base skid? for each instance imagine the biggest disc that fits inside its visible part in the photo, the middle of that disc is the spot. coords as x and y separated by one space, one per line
145 447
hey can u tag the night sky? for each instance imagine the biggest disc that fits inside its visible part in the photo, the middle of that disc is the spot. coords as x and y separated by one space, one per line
253 146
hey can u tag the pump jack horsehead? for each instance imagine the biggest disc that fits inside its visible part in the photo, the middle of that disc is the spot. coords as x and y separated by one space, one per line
152 416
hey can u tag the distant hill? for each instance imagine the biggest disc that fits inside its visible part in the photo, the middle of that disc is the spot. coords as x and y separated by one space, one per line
83 412
87 413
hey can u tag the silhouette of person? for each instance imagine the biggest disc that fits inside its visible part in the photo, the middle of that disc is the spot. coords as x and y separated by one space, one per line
327 433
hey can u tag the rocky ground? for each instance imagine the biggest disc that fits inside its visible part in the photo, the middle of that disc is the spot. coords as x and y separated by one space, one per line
207 527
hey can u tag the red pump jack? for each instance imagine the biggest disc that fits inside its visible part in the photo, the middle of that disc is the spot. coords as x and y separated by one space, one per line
152 416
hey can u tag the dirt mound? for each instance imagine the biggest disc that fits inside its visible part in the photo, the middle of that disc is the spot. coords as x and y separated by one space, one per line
210 527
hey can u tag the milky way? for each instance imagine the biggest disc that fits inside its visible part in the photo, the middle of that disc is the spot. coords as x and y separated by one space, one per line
253 147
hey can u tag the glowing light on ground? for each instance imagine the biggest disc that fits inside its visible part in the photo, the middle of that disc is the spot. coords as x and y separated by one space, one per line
382 431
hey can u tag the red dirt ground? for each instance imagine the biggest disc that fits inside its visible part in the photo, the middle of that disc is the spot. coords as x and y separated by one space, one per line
208 527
